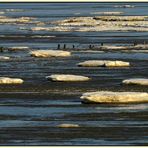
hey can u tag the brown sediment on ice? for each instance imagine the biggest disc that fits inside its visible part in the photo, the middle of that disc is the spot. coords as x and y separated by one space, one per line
114 97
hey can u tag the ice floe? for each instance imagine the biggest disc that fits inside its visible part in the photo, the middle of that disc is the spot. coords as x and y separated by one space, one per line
18 48
7 80
108 13
50 53
9 20
4 58
135 51
141 46
1 12
124 6
136 81
116 64
67 77
42 36
14 10
66 125
111 47
106 63
121 18
114 97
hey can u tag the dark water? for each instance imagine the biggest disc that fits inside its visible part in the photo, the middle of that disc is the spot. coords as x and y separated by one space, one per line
29 113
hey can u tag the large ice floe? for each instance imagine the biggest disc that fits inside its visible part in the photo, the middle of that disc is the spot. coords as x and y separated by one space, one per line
50 53
7 80
114 97
106 63
98 23
67 78
136 81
